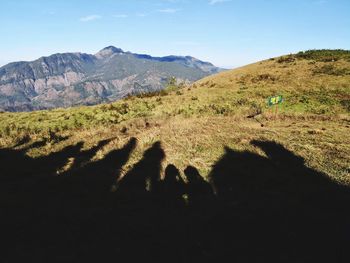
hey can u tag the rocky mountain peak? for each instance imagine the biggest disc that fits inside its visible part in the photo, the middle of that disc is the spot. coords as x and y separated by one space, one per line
69 79
108 51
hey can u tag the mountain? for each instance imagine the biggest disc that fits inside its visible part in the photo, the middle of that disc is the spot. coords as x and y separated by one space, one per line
69 79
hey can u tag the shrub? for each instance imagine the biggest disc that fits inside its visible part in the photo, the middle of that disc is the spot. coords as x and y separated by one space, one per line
220 109
331 70
255 109
241 102
286 59
345 104
263 77
324 55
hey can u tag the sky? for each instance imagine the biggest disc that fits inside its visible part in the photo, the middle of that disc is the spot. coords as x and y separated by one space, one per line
228 33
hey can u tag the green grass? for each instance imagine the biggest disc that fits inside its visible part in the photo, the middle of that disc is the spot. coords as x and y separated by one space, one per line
195 122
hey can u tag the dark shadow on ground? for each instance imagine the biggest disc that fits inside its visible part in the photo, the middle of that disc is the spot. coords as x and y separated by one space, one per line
252 208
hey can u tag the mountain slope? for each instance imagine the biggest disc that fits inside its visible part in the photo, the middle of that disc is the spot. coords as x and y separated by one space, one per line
312 82
63 80
211 166
196 122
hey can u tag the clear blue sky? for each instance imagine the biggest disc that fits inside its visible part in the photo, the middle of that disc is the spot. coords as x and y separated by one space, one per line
227 33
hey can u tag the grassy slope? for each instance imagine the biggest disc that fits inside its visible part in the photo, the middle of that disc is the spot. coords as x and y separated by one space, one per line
195 123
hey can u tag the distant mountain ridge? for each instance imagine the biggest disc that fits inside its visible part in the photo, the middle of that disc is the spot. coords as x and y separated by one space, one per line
69 79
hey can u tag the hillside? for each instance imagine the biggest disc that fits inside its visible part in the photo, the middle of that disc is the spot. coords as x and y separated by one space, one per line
69 79
316 95
209 168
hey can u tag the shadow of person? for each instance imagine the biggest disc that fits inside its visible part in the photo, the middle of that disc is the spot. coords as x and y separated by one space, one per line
13 163
71 213
142 214
34 181
237 174
22 141
50 164
276 208
199 191
173 188
26 139
85 156
144 177
294 166
99 176
272 209
16 164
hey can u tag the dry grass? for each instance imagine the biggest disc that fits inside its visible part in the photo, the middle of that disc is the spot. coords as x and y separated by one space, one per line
200 142
195 125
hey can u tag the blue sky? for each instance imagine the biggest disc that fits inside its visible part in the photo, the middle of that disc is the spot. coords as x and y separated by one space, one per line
228 33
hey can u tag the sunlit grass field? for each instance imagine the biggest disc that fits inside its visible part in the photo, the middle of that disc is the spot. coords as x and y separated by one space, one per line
194 123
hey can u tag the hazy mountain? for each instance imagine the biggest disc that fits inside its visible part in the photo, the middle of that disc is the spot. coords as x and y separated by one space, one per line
69 79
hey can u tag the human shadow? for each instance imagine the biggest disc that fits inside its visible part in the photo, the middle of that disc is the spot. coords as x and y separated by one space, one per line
16 164
84 157
275 208
173 187
199 191
144 177
66 213
251 208
98 175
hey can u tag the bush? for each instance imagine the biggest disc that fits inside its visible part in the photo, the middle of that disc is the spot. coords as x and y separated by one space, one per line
345 104
331 70
241 102
286 59
255 109
324 55
263 77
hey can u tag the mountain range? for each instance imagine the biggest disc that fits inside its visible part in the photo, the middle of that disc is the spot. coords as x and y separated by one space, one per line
69 79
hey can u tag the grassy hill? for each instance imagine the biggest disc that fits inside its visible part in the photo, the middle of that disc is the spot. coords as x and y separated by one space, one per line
196 173
194 123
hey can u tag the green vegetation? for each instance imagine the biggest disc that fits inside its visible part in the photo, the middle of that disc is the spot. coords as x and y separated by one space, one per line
331 70
317 55
325 55
195 122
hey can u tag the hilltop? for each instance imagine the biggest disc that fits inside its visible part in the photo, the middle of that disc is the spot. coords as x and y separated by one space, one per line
71 79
